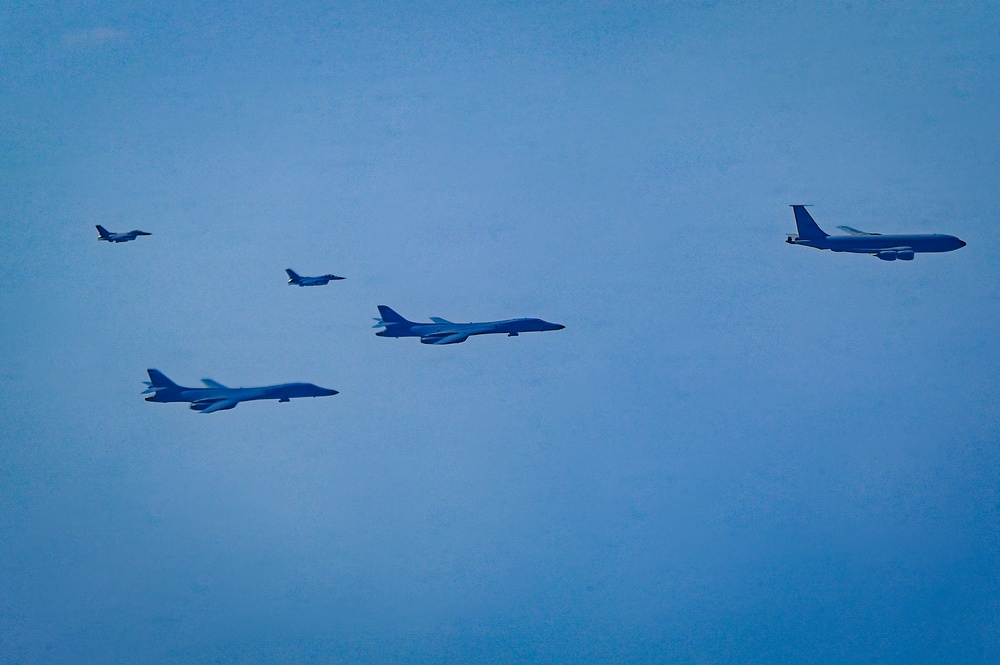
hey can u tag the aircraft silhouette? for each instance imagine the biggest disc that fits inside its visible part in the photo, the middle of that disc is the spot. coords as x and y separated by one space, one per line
217 397
298 280
108 236
441 331
885 247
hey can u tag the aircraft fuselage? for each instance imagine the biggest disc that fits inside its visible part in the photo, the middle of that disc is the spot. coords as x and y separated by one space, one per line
869 244
441 332
216 397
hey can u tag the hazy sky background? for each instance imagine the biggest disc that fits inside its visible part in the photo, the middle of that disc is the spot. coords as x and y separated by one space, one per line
737 451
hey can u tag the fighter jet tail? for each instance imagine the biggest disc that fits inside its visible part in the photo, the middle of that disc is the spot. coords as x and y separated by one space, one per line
293 276
103 232
807 226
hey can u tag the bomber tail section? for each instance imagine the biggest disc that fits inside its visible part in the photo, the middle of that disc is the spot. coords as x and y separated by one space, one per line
161 387
392 321
806 225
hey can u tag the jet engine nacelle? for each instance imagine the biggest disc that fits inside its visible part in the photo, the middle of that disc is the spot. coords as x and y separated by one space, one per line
892 255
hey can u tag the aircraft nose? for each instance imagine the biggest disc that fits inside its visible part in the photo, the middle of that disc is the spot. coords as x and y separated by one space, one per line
961 244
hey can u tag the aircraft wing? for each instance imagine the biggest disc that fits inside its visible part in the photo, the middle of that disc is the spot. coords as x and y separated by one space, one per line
855 232
214 384
445 338
438 319
214 405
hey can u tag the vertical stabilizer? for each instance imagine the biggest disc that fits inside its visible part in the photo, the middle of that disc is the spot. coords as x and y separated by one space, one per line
808 229
292 275
158 379
103 232
388 315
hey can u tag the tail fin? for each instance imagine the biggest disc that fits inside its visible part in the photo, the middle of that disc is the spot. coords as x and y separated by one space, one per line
808 229
103 232
388 315
292 275
158 379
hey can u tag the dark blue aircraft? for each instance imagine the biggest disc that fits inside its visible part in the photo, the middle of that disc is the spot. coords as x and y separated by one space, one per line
217 397
885 247
442 331
110 236
296 279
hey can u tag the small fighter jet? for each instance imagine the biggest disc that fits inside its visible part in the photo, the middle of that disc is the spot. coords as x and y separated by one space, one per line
441 331
298 280
885 247
108 236
217 397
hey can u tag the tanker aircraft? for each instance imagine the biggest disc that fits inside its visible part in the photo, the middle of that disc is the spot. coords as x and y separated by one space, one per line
217 397
108 236
298 280
441 331
885 247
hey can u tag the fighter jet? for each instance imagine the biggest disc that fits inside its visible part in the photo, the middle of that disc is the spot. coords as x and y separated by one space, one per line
299 280
885 247
441 331
108 236
217 397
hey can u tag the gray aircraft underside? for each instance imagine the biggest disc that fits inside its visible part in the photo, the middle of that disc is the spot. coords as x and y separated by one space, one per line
217 397
295 279
109 236
441 331
885 247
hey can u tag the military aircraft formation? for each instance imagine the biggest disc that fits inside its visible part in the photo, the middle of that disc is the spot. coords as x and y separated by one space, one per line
440 332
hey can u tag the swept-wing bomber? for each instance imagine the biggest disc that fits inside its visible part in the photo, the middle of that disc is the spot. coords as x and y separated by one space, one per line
441 331
217 397
295 279
108 236
886 247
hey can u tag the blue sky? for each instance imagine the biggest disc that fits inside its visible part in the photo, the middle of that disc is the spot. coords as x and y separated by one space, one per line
737 451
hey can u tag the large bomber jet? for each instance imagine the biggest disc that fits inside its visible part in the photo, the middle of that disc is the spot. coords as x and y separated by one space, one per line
885 247
217 397
442 331
108 236
298 280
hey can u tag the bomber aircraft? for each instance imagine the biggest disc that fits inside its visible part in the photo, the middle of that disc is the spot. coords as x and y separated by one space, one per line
442 331
885 247
108 236
298 280
217 397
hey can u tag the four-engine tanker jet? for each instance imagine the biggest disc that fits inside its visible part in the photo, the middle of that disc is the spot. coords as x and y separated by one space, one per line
217 397
442 331
108 236
298 280
885 247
